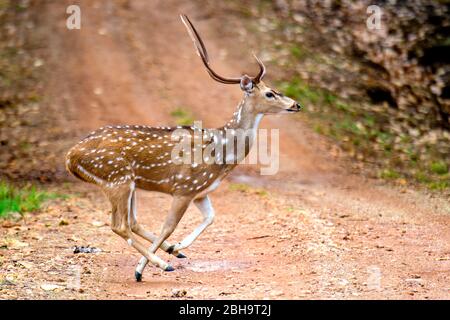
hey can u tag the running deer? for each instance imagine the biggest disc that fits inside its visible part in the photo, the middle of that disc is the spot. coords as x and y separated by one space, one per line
120 159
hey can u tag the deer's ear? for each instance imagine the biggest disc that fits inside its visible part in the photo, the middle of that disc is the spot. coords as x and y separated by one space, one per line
246 83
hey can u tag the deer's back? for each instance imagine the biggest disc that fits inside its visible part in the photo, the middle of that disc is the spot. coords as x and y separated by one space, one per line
116 155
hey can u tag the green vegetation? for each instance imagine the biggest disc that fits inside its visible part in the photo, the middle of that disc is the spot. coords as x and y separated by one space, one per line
297 52
439 167
22 200
391 141
245 188
364 135
297 89
183 117
389 174
239 187
422 177
439 185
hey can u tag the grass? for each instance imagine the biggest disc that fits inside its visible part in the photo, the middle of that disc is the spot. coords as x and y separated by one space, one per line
297 52
389 174
299 90
364 135
368 132
242 187
439 167
182 117
21 200
439 185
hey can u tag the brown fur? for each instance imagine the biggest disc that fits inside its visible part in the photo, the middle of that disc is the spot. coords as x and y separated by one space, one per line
121 158
141 154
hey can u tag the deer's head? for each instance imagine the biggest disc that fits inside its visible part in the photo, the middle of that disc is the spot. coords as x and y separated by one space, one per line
264 99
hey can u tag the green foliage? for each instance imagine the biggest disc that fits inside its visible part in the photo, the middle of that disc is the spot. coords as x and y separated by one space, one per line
389 174
242 187
438 185
439 167
262 193
349 126
4 4
368 132
364 134
183 117
445 42
298 90
330 98
297 52
318 129
422 177
23 200
239 187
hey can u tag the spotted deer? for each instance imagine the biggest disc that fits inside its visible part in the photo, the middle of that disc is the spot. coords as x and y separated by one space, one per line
120 159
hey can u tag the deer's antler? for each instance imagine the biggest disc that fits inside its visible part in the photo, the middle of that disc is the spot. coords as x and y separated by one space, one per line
262 71
201 51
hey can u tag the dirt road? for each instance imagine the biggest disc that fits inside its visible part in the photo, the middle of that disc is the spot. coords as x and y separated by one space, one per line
312 231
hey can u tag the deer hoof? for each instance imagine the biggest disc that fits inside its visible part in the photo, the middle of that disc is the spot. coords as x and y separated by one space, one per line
169 268
170 249
138 276
181 256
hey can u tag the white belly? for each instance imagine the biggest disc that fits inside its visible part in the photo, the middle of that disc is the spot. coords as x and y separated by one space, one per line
211 188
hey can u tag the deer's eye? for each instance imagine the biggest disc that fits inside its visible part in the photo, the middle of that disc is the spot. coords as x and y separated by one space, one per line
270 95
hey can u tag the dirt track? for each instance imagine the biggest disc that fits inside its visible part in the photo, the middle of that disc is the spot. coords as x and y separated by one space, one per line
311 231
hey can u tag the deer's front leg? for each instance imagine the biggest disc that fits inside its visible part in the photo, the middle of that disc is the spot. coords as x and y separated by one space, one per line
205 207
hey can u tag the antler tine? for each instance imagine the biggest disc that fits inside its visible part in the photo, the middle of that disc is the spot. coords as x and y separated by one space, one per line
201 51
262 70
198 42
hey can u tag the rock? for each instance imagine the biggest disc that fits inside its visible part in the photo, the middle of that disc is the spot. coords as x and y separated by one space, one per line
25 264
276 293
81 249
98 223
178 293
15 244
50 287
38 63
63 222
418 282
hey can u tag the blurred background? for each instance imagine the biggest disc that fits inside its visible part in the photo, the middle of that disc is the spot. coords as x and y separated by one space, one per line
372 141
382 95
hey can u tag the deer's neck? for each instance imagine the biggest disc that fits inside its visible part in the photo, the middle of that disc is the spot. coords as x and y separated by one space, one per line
245 118
245 123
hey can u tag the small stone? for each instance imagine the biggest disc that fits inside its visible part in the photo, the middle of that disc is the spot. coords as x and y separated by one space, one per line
25 264
276 293
82 249
50 287
98 223
98 91
178 293
38 63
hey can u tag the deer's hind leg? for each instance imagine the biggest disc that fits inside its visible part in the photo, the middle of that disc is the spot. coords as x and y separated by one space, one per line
149 236
176 212
120 198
